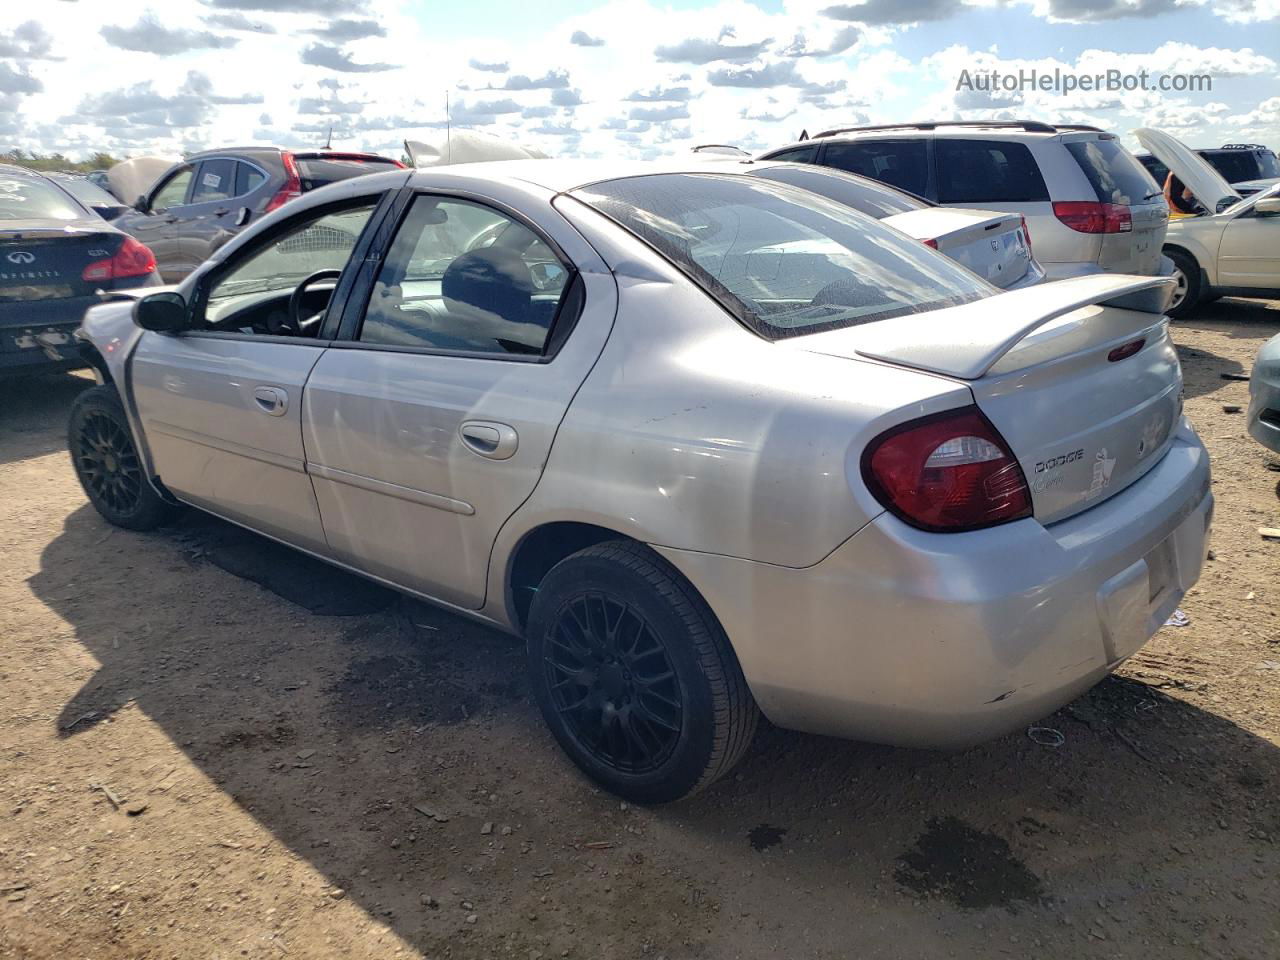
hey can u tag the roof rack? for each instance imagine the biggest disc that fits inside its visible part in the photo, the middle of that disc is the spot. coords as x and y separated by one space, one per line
1243 146
1031 126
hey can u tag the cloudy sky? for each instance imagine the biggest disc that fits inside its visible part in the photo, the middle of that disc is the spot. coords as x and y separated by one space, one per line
576 77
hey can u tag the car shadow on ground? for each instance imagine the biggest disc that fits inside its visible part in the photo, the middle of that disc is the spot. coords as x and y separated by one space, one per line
33 413
329 716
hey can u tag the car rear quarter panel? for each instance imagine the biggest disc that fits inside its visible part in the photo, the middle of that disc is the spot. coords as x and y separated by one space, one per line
692 432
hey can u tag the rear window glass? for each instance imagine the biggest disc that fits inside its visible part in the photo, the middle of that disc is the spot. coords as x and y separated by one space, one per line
1238 165
866 196
22 199
784 261
1114 173
1154 167
248 179
88 193
320 171
900 163
988 171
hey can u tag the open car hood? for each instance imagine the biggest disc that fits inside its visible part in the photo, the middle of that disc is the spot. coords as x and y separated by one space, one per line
130 179
1206 183
466 146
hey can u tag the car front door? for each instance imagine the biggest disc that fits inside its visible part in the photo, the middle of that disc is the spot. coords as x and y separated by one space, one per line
221 403
1250 252
158 225
431 424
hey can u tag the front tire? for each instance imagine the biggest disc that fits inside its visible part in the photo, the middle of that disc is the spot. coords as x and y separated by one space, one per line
107 464
1190 289
634 675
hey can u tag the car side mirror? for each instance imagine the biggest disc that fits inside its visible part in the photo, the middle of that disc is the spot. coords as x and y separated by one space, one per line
164 312
1269 207
141 204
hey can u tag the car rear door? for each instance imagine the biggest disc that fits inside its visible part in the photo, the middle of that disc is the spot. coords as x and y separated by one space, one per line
431 422
221 404
209 218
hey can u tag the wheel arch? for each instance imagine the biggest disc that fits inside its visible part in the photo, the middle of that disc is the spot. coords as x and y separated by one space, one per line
1187 250
538 550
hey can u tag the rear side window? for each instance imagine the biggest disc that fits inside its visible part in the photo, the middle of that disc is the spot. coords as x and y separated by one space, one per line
805 154
784 261
248 179
866 196
900 163
320 171
1238 165
22 199
1114 173
464 277
216 181
988 171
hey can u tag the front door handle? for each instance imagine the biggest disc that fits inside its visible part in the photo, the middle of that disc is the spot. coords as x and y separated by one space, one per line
271 400
497 441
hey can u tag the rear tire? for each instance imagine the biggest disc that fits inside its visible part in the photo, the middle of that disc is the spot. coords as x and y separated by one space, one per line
107 464
634 675
1190 289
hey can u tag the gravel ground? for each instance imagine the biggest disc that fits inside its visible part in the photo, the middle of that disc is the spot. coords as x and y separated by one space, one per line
211 747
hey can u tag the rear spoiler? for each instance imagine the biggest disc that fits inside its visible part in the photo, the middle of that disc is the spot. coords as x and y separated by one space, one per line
968 340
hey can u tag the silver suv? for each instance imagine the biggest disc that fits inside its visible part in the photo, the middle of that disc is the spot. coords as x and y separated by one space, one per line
1090 206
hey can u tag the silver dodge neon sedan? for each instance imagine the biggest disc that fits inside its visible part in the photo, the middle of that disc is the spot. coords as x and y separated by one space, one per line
713 445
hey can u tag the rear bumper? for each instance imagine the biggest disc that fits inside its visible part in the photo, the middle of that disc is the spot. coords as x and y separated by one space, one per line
944 640
1264 397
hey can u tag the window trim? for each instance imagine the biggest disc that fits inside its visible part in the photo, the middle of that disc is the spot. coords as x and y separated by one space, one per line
347 336
200 293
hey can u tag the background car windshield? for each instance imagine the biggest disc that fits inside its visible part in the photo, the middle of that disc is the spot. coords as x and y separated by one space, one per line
865 196
33 200
784 261
88 193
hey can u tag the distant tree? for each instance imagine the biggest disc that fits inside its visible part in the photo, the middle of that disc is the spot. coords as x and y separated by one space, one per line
57 161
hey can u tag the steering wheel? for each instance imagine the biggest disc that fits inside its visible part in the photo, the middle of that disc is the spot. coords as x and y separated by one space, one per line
296 321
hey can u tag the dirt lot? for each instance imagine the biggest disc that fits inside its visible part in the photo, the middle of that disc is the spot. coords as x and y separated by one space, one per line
273 732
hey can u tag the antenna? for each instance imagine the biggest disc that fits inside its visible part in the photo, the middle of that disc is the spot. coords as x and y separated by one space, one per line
328 141
448 131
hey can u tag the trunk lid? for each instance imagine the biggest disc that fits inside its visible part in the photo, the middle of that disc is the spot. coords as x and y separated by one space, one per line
1080 377
39 262
992 245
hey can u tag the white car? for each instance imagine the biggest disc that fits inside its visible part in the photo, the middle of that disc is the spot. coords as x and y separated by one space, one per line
1232 246
714 446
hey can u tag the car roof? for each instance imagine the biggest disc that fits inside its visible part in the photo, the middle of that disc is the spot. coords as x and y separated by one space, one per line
954 129
562 176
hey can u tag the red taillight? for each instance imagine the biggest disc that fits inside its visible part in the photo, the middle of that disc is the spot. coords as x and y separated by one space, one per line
133 259
292 188
930 243
1088 216
948 472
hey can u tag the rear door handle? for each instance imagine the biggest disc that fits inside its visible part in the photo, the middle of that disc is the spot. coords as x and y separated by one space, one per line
497 441
271 400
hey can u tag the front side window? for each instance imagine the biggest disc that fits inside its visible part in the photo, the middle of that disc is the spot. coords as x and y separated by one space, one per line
465 277
215 182
253 293
784 261
988 171
900 163
174 191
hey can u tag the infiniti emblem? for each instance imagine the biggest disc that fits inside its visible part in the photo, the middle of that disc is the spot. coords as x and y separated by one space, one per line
21 256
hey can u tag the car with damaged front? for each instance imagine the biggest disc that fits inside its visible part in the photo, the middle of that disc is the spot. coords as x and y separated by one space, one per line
57 258
714 446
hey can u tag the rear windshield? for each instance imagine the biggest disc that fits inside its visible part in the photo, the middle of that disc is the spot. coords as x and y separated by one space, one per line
88 193
784 261
866 196
320 171
1115 174
22 199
